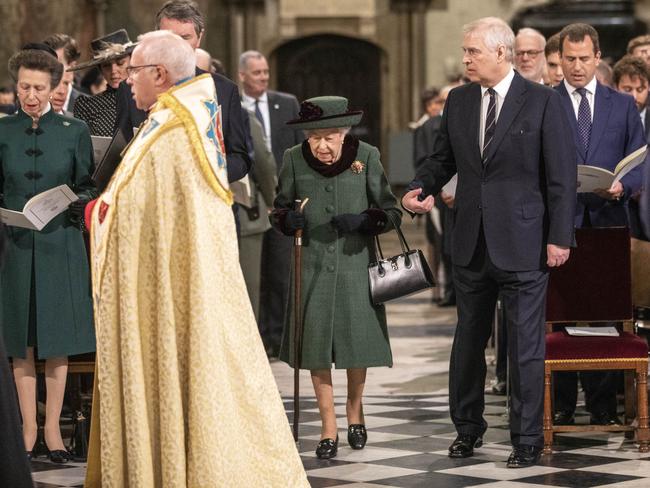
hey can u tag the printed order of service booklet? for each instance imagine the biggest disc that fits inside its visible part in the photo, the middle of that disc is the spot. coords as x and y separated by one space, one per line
592 178
40 209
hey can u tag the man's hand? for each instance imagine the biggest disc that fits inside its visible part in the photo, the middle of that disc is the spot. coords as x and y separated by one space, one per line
411 203
447 199
556 255
614 193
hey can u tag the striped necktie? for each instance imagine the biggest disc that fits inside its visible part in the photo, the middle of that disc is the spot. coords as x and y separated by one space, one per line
490 122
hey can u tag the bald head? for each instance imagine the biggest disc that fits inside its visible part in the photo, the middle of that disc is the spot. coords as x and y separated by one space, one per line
203 59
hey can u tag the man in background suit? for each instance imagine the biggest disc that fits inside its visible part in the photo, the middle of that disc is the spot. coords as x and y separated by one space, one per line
632 76
272 109
606 127
183 18
509 142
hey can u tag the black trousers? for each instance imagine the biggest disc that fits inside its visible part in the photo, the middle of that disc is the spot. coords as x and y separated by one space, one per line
523 294
600 391
14 467
274 285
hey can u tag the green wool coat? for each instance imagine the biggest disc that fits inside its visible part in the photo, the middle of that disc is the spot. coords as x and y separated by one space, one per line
341 325
32 161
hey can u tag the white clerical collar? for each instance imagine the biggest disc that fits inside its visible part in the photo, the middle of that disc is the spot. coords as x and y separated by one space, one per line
503 86
591 86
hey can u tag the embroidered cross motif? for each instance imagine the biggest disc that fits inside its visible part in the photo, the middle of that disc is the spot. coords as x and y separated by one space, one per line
214 132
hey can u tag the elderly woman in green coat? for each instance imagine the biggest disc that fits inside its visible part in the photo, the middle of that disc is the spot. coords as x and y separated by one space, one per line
44 284
350 201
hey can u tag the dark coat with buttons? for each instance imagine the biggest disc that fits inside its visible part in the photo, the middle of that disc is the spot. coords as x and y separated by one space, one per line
32 161
341 325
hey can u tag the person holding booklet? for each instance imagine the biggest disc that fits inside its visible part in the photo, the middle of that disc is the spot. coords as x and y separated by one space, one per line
606 128
46 308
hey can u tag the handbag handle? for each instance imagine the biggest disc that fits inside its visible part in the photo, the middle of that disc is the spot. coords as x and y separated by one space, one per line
402 242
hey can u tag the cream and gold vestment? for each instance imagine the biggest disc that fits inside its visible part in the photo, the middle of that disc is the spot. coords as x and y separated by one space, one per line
186 397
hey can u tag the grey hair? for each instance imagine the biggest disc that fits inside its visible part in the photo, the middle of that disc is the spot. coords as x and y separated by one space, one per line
245 56
495 33
529 31
340 130
169 50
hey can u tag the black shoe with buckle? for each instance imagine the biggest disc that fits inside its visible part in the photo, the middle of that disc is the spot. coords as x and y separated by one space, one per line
357 436
327 448
464 445
563 417
524 456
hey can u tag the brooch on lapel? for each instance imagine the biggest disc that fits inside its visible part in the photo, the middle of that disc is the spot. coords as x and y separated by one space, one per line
357 167
66 124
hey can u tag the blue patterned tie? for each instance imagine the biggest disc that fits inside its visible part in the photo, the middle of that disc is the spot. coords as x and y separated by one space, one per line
258 115
584 119
490 122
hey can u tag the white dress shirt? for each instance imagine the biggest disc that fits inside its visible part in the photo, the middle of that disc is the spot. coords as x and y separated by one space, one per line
642 115
501 90
575 96
263 102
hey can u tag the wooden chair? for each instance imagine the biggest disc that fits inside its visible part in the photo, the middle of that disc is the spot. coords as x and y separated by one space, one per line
595 286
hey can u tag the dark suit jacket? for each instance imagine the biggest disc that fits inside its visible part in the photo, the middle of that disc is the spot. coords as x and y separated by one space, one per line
616 131
234 129
424 138
283 107
524 196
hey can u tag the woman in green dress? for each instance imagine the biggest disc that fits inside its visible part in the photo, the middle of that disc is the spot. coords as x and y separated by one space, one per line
44 285
350 201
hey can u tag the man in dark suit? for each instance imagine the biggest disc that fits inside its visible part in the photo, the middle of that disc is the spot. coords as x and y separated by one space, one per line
631 76
509 142
183 18
273 110
606 127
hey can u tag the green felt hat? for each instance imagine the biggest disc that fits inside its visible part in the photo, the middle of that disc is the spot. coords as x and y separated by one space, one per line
325 113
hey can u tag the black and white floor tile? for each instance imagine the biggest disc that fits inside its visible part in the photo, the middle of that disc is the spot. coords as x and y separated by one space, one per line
409 430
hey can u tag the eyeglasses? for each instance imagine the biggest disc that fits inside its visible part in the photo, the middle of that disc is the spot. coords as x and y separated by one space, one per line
131 71
532 53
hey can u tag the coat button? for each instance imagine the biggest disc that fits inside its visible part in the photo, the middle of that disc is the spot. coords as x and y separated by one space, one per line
330 268
329 208
331 249
329 188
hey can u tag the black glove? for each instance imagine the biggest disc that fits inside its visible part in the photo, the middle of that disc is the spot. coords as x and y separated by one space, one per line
346 223
294 221
76 212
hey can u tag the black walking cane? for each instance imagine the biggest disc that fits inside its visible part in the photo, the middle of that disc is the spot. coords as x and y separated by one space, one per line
297 325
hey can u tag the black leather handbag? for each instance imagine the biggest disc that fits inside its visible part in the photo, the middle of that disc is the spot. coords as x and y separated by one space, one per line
400 275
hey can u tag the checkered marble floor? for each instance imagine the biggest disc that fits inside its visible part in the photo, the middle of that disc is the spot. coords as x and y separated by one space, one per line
408 437
409 430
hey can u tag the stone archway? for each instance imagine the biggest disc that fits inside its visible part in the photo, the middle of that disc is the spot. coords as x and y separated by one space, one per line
335 65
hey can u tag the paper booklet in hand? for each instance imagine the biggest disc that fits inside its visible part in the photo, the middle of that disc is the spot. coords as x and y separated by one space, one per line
100 146
40 209
592 178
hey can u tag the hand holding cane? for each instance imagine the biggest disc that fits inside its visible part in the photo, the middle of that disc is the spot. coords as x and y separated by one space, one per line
297 324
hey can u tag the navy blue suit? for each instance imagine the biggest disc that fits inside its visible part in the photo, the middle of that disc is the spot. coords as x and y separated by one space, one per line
507 209
616 132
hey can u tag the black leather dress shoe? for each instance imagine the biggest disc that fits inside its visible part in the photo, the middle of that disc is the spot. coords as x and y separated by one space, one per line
499 388
524 456
604 418
464 446
357 436
60 456
30 455
563 417
327 448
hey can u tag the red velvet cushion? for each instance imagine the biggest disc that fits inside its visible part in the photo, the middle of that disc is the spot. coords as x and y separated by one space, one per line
560 345
595 283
